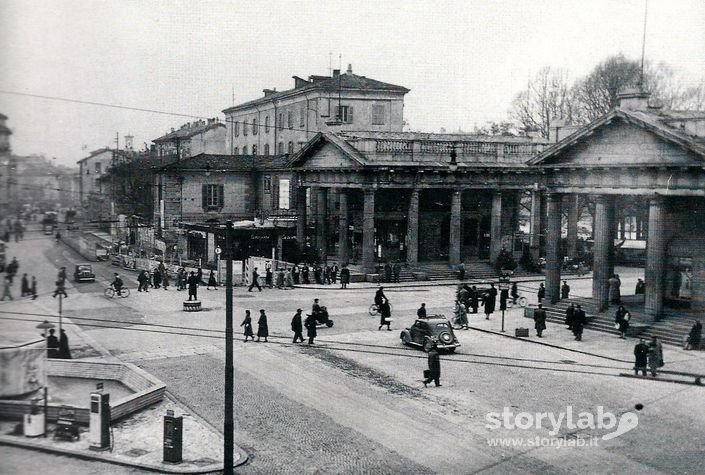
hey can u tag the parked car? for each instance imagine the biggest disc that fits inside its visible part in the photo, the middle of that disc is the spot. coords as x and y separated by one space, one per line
433 329
83 273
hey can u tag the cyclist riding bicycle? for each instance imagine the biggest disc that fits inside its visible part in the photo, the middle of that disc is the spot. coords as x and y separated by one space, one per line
315 308
117 284
380 298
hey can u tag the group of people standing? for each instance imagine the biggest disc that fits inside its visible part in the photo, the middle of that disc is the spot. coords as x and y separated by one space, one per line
160 279
392 271
469 298
648 355
27 288
58 347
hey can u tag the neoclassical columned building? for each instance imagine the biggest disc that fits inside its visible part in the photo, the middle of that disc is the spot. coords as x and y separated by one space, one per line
381 196
643 153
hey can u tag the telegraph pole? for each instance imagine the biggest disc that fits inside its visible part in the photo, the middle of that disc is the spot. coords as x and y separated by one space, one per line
228 424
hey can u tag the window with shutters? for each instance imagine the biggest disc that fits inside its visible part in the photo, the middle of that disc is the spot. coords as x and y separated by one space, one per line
236 128
244 128
378 114
290 119
302 117
281 148
266 124
345 114
283 193
266 150
254 126
213 197
267 184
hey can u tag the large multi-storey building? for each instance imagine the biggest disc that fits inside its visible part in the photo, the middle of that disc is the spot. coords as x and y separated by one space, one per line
282 122
191 139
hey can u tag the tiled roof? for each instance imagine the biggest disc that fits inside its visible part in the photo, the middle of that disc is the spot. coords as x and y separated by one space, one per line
437 137
347 81
188 131
227 163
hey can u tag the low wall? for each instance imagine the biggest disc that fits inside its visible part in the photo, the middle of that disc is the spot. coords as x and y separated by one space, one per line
147 389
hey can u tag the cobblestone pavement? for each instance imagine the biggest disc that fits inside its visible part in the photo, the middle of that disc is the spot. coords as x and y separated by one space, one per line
14 460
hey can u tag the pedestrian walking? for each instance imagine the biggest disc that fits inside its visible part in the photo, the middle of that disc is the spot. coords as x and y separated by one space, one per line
474 299
64 350
310 325
614 294
268 277
565 290
297 326
640 288
490 301
199 275
288 279
304 274
434 368
262 327
344 277
193 286
165 278
385 315
334 273
461 271
255 281
514 293
655 356
52 345
540 320
6 293
541 294
295 275
247 323
579 321
621 319
569 313
694 336
33 288
142 280
421 312
157 278
641 353
24 285
211 281
461 315
396 270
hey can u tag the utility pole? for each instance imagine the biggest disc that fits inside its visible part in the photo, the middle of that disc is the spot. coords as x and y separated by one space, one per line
228 424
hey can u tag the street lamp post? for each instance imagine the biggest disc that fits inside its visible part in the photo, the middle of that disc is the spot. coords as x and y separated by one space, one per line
228 424
45 325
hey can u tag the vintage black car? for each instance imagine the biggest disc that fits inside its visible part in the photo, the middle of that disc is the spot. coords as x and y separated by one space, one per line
83 273
427 331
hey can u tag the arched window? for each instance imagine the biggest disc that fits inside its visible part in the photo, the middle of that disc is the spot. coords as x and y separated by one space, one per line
281 148
244 150
236 151
266 124
266 150
291 147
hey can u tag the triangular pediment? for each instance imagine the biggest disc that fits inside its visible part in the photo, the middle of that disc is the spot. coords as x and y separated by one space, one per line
328 151
622 140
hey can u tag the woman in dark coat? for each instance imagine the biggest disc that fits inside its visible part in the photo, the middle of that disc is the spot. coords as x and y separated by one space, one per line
247 323
621 318
157 278
641 352
694 337
434 367
64 349
262 327
385 315
304 274
655 355
490 301
310 325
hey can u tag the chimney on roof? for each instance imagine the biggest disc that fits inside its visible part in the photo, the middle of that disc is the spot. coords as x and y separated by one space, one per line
336 73
268 92
558 129
633 99
349 71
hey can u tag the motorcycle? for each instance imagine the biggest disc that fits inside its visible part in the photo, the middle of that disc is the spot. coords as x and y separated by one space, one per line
322 317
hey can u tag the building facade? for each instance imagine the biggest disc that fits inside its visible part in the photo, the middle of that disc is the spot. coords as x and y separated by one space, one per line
281 122
191 139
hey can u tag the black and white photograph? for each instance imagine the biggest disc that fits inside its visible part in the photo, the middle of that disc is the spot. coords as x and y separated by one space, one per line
335 237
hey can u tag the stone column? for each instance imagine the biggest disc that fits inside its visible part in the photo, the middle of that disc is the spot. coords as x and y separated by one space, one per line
321 225
535 226
454 245
496 226
368 230
553 248
412 228
655 258
573 213
343 227
604 214
301 215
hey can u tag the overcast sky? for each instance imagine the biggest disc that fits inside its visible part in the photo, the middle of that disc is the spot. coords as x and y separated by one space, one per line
464 61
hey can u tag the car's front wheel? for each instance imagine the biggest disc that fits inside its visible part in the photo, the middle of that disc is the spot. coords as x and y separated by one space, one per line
405 339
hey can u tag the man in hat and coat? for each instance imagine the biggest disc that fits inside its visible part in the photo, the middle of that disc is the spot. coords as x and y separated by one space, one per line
297 326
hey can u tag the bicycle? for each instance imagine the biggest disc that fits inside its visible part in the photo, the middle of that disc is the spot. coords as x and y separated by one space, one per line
110 292
374 309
